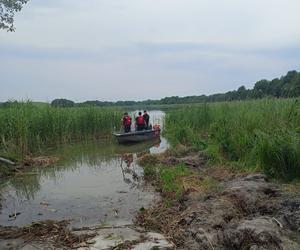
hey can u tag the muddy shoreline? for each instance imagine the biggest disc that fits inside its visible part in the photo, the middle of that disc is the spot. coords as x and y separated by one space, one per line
222 208
217 207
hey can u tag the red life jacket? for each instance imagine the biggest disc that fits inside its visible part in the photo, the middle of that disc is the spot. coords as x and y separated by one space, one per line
140 120
127 120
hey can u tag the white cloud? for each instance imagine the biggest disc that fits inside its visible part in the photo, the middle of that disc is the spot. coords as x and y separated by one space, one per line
123 49
98 23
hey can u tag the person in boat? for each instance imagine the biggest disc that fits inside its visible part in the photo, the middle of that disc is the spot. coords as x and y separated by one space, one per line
126 122
140 122
146 118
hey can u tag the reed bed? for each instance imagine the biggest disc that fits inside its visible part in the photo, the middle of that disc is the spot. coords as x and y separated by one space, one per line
26 127
261 134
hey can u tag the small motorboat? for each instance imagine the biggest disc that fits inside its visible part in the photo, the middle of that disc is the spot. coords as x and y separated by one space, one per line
138 136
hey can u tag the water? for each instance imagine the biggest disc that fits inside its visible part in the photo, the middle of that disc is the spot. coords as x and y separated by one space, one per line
92 184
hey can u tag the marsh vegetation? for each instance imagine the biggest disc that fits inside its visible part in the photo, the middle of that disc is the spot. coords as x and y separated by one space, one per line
261 134
27 128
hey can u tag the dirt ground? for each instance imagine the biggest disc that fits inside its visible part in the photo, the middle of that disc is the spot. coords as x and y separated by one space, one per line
241 211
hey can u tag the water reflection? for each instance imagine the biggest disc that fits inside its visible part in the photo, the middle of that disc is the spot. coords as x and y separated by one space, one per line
26 185
75 156
129 172
89 184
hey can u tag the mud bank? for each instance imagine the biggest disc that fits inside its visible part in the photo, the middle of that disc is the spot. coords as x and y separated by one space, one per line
239 211
58 235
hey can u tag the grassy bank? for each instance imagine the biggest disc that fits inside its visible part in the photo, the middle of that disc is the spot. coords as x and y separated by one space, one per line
262 134
26 128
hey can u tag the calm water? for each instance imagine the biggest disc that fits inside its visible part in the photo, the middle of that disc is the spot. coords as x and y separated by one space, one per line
92 184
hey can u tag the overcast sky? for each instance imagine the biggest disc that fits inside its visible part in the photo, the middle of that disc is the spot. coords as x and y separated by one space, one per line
146 49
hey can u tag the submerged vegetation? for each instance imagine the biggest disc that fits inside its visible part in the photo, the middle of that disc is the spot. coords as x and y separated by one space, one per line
26 128
262 134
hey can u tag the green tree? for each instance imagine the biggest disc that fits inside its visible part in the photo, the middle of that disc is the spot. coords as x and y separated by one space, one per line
290 84
242 93
62 103
261 88
276 87
7 13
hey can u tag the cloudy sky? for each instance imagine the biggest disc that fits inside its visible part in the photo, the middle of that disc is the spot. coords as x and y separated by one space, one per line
140 49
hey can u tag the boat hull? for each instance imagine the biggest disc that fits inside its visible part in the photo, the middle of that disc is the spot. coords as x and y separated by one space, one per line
137 136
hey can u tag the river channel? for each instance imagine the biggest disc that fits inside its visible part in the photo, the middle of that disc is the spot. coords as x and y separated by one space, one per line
94 183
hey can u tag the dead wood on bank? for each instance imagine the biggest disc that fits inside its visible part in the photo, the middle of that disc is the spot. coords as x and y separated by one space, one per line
56 233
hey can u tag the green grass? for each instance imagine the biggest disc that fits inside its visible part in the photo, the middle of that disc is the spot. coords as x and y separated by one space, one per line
27 127
167 178
279 154
175 181
260 134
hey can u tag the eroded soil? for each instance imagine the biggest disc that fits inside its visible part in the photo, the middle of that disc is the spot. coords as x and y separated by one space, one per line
243 211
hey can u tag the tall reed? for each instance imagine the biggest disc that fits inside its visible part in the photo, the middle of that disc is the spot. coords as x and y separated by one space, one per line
26 127
262 133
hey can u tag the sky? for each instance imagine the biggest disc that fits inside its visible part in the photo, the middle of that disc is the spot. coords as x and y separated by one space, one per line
146 49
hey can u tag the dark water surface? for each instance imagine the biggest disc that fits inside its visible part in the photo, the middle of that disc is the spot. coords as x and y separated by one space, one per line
94 183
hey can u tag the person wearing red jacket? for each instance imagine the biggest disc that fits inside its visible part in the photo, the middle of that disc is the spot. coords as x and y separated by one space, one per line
126 122
140 122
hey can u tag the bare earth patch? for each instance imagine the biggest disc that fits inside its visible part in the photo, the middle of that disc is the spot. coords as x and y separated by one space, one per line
223 209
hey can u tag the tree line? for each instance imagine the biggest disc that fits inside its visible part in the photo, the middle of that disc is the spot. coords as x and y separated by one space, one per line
283 87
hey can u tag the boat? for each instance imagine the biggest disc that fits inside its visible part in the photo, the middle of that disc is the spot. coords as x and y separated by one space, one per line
138 136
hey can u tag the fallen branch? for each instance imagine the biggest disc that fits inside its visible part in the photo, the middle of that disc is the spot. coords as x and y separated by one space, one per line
7 161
